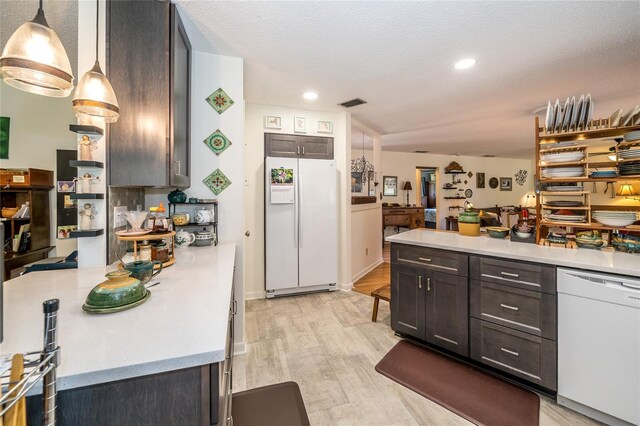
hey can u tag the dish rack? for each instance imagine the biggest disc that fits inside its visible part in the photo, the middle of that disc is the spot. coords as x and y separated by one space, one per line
38 366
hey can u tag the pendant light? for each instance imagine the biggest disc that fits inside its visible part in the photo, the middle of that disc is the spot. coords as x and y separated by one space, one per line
35 61
94 96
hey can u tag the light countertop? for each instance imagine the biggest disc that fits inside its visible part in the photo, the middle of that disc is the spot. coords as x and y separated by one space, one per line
183 324
594 260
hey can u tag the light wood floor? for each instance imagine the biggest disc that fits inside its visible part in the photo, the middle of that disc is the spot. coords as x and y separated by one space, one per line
378 277
327 343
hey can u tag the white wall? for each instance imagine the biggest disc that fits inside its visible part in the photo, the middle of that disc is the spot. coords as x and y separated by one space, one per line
403 165
366 239
210 72
254 186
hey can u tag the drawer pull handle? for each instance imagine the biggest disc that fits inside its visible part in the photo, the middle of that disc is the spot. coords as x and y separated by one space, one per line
509 352
428 284
419 281
425 259
513 308
509 274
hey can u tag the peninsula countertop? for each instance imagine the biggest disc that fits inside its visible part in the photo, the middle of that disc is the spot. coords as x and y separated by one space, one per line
183 324
594 260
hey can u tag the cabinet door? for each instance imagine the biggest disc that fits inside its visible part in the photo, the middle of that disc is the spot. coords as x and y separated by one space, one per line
179 161
408 300
447 313
277 145
138 69
316 147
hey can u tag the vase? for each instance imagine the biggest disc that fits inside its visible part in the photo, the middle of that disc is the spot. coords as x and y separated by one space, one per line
177 196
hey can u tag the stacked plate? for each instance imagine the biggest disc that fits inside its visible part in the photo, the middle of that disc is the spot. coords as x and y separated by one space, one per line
589 239
629 154
629 169
615 217
562 157
571 116
566 218
564 203
563 172
564 188
604 174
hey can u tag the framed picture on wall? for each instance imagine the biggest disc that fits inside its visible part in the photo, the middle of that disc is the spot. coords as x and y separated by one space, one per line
390 186
272 122
356 181
325 127
299 125
506 184
479 180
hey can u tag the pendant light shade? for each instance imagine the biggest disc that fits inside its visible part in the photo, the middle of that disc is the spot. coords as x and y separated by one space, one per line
35 61
94 97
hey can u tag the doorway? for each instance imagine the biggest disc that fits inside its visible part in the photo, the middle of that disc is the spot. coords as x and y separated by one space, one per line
426 195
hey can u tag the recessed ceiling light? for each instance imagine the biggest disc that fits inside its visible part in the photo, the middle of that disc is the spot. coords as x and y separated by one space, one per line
310 96
465 63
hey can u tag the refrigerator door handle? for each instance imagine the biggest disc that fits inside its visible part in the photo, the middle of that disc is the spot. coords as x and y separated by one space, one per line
299 206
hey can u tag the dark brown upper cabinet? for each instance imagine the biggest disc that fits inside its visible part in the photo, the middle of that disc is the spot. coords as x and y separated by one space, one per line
149 67
298 146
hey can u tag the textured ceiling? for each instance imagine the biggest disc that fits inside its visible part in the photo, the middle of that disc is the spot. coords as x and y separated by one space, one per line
62 16
399 57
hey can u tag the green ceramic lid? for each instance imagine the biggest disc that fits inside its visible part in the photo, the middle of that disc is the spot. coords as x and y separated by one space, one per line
118 290
469 217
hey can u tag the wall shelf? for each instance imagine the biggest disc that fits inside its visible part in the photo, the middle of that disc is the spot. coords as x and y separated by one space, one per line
76 196
86 234
91 164
86 130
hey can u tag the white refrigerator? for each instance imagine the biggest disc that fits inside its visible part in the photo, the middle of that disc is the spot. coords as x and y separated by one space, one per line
301 225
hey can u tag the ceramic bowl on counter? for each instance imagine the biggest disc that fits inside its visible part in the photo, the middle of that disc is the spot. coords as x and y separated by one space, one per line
626 243
497 231
119 292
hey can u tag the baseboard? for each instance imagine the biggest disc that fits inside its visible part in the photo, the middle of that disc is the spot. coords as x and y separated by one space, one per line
253 295
345 286
366 270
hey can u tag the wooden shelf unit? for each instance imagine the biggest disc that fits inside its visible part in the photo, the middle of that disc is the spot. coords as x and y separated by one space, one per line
152 237
598 130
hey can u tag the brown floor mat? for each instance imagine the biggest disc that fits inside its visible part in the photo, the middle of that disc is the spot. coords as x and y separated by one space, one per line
274 405
472 394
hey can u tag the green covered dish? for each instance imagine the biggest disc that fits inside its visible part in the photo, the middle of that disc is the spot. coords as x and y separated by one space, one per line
469 217
118 290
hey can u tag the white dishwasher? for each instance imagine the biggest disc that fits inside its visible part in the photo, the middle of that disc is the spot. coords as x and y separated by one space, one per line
599 345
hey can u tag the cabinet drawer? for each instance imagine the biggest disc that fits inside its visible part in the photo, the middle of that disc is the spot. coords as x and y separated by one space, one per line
432 259
397 220
529 311
528 276
521 354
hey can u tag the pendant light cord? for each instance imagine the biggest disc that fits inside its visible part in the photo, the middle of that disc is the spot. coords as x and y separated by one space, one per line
97 28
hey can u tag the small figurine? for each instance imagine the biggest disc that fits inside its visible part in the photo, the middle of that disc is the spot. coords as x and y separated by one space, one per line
87 214
86 146
84 183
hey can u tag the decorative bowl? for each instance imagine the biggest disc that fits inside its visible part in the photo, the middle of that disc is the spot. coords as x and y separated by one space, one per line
118 290
497 231
8 212
523 234
180 218
626 243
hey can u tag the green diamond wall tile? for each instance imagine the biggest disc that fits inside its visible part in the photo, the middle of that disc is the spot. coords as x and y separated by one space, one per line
217 142
217 182
220 101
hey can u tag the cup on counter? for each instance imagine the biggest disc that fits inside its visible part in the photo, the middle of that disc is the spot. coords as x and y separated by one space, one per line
143 270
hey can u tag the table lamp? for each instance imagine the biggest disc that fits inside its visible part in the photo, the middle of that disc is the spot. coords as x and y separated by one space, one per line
407 187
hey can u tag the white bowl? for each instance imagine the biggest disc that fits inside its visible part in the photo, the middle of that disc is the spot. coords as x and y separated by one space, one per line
524 234
609 221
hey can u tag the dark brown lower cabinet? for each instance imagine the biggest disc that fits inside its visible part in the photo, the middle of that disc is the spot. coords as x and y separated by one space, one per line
498 312
408 300
431 306
524 355
447 313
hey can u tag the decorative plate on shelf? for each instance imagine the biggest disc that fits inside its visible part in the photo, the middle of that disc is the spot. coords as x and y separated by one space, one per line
550 115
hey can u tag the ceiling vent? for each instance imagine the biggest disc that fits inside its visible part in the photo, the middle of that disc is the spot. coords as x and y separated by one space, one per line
352 103
489 155
420 152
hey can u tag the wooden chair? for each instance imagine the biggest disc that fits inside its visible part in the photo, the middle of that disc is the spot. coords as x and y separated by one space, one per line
383 293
